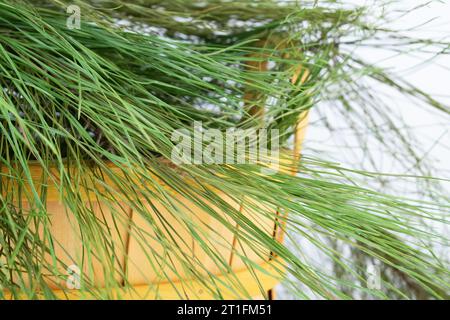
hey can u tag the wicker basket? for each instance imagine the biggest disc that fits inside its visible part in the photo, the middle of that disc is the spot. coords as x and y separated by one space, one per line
145 284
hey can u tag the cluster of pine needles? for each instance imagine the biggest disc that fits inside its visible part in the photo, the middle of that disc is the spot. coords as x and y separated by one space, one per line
110 94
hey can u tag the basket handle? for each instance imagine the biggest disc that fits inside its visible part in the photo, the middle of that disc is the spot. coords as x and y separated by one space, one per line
256 112
302 120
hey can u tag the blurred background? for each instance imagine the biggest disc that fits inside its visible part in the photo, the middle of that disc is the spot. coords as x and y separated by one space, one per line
337 139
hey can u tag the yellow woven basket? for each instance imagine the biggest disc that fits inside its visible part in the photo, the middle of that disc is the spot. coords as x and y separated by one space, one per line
145 285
